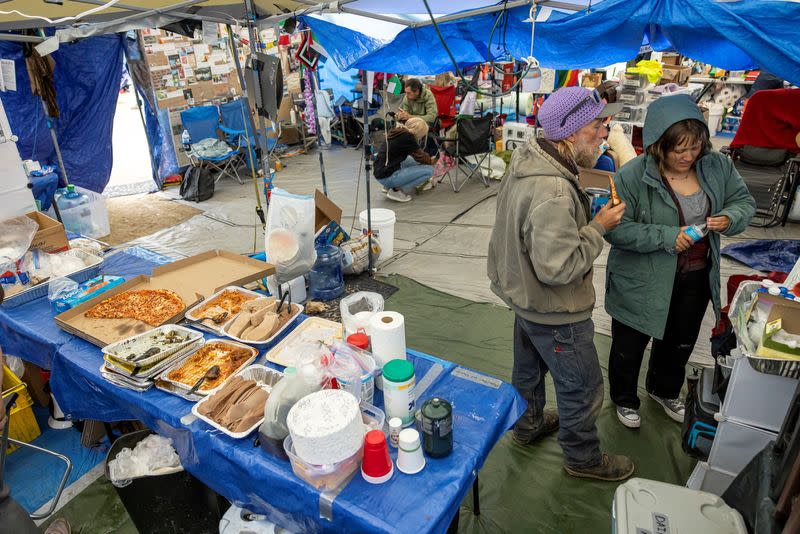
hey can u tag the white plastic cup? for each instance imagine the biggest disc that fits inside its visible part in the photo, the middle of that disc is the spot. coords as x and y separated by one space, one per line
410 459
382 229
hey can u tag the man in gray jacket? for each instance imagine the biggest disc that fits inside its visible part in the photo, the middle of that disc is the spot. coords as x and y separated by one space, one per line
541 253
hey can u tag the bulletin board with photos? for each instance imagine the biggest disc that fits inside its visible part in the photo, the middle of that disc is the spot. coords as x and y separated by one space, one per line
187 72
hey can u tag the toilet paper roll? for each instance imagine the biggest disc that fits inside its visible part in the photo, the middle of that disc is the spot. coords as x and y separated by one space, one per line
387 333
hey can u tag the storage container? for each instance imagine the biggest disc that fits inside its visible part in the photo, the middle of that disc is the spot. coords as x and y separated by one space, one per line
735 445
382 229
757 399
22 425
327 477
657 507
84 213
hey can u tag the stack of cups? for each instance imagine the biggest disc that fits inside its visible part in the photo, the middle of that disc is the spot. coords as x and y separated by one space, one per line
377 466
410 459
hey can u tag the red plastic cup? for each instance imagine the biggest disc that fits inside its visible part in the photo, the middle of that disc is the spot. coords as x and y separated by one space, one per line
377 466
359 340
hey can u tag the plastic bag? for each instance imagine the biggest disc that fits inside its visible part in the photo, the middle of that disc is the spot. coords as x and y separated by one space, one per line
357 310
60 288
35 267
289 238
16 365
16 236
354 370
356 257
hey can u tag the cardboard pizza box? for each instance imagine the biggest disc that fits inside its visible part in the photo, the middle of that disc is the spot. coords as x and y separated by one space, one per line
595 178
192 279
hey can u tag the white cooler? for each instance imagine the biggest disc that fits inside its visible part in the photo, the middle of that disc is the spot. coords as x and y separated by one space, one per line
650 507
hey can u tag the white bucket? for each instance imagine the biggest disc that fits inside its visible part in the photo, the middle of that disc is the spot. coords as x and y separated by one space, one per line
714 117
382 228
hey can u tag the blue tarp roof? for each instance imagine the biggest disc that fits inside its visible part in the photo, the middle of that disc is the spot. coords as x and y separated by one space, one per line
732 35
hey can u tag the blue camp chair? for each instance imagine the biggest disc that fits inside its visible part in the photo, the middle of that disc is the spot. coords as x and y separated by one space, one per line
202 123
237 130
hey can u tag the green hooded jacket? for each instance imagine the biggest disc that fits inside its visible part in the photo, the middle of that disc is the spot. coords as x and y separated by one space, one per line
641 268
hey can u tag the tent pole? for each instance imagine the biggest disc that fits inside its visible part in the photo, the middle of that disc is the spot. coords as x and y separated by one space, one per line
315 80
368 169
517 92
249 114
55 144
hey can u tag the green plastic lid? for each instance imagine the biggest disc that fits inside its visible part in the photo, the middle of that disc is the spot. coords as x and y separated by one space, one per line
398 371
70 188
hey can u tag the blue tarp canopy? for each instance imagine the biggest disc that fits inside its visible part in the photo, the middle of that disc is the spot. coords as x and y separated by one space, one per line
731 35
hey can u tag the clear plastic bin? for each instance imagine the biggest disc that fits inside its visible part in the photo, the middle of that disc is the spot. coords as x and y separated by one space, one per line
326 477
90 219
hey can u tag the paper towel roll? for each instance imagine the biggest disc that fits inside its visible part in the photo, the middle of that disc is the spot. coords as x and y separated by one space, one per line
387 333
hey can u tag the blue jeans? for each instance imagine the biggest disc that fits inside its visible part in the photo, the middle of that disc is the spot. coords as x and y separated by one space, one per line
568 352
408 176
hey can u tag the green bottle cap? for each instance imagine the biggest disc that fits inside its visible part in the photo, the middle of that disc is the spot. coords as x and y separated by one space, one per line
398 371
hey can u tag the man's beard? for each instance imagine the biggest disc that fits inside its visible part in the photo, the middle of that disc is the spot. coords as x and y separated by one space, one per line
586 156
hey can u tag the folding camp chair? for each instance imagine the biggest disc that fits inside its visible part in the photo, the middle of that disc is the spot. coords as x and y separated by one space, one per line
473 138
236 127
765 152
202 122
445 106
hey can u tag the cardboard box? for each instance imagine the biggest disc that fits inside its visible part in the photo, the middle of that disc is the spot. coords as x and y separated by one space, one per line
786 313
671 59
192 279
673 74
325 211
595 178
51 236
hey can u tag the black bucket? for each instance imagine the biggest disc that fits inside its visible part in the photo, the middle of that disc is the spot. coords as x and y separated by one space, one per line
174 503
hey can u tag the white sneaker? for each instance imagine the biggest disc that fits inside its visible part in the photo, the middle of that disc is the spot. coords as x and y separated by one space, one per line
398 196
384 189
629 417
672 407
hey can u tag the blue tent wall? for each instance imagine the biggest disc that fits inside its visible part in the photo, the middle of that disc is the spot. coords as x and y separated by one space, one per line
87 80
731 35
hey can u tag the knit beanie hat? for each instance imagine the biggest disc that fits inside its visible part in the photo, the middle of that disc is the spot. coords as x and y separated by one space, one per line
571 108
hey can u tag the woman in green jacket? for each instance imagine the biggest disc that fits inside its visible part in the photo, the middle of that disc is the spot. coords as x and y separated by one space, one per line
659 278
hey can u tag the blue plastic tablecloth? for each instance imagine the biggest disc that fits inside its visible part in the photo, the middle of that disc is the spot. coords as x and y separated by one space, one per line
44 187
255 480
427 502
29 331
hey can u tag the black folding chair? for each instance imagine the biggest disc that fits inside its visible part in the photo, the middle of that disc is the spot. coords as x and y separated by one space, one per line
473 137
772 176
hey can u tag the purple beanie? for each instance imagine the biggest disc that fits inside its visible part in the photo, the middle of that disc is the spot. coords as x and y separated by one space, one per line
571 108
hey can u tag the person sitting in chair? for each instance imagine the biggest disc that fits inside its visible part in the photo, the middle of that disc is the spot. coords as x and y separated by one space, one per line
401 165
418 102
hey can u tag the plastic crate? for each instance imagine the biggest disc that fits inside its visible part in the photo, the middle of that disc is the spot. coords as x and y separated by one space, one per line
22 424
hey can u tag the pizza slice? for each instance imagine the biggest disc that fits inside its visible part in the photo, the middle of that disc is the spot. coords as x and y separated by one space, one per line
153 306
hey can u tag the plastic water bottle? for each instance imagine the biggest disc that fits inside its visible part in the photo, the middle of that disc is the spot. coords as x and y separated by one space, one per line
60 192
697 231
186 139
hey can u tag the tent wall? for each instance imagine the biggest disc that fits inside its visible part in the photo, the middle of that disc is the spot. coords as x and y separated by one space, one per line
87 81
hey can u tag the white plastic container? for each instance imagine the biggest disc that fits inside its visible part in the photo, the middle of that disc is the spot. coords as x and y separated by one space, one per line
399 390
296 288
382 228
649 506
714 117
